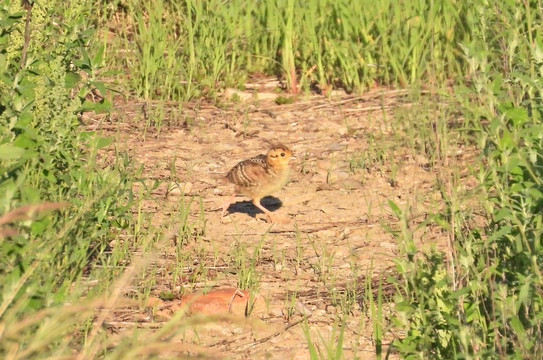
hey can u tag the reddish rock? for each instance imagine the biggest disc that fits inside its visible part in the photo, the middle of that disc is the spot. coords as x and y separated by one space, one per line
302 354
216 301
154 302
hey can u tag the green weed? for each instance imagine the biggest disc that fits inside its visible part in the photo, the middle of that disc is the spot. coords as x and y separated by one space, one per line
480 299
330 348
188 49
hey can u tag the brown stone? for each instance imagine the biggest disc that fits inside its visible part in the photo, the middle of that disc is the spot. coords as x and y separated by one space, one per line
218 301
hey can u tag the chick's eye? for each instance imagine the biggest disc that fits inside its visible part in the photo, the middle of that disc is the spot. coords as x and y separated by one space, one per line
282 154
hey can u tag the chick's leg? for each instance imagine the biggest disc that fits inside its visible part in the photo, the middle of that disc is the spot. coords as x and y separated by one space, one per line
256 202
227 204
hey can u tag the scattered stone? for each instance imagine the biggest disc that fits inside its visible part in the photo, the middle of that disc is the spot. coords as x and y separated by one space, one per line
302 309
267 96
340 174
330 309
277 312
300 199
351 184
233 94
187 188
319 178
224 147
282 218
226 219
334 147
345 233
327 165
302 354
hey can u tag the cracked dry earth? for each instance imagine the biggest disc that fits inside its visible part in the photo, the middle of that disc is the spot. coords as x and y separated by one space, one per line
352 159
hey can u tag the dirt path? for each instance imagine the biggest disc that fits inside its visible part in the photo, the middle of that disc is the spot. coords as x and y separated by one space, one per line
351 161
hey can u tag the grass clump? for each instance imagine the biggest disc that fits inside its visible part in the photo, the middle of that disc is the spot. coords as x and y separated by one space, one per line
46 158
61 208
284 100
482 298
183 50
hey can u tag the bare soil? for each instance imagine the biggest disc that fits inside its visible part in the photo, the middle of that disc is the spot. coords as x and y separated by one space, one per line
352 158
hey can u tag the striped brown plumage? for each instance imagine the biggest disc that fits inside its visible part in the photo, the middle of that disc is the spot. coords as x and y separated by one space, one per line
246 174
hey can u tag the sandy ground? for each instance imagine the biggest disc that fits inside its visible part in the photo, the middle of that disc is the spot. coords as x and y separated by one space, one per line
352 158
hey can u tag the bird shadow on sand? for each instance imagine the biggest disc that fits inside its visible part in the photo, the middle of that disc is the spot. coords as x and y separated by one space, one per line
246 207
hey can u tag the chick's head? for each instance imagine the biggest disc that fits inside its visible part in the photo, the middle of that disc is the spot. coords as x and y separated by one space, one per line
279 156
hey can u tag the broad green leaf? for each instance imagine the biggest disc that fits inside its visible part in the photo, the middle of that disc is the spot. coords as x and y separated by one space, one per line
25 118
518 328
535 193
101 106
537 49
100 86
99 57
103 142
25 141
514 165
525 291
10 152
518 116
39 226
403 306
16 15
86 135
71 79
471 311
506 140
518 187
497 84
26 91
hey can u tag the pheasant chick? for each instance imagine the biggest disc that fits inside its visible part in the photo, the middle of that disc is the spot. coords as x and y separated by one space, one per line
260 176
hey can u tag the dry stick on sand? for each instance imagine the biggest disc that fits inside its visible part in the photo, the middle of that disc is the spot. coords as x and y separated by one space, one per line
266 338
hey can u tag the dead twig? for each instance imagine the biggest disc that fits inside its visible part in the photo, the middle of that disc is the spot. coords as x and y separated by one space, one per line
237 292
277 333
264 339
28 6
373 95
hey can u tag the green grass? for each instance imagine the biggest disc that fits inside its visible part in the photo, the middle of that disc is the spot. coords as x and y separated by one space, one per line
481 298
330 348
67 228
198 48
68 220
